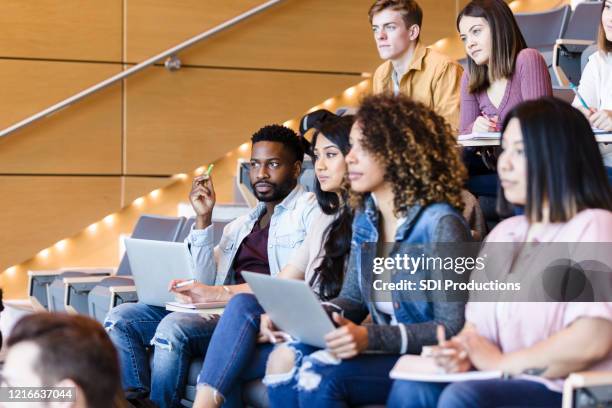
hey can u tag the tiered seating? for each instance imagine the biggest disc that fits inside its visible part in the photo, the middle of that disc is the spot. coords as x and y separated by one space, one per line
69 287
565 40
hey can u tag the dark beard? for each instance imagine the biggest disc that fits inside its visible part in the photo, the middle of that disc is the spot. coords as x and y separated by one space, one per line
278 192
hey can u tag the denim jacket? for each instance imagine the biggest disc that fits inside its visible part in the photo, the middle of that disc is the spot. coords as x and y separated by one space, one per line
417 321
288 226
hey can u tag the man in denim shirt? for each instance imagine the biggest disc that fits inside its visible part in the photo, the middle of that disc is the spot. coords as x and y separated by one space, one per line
261 241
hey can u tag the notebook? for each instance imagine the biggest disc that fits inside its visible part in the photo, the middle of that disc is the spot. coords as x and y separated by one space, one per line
480 136
417 368
209 308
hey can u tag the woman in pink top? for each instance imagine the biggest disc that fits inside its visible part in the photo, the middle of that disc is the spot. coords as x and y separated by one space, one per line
551 166
502 72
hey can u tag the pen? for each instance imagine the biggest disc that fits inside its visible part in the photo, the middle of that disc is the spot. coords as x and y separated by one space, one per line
584 104
440 334
209 169
492 119
184 283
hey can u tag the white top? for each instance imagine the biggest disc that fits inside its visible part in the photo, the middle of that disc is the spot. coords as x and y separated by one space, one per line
596 89
310 254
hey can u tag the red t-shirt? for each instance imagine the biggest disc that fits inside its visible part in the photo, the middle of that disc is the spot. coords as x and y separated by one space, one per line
252 254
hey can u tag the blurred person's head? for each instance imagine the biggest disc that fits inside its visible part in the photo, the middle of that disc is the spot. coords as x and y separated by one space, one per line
276 162
492 40
550 162
396 25
605 28
59 350
403 146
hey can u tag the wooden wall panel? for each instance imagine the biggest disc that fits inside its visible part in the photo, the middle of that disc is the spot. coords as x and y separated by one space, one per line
298 35
319 35
155 25
179 121
38 211
67 29
136 187
533 6
82 139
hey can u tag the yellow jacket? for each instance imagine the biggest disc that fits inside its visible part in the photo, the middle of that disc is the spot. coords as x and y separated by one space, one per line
432 79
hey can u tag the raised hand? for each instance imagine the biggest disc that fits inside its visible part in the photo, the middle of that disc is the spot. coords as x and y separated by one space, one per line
202 198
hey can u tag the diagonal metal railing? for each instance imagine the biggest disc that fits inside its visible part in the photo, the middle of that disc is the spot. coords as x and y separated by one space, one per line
139 67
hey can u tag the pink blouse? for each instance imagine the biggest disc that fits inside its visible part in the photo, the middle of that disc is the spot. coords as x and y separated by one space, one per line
519 325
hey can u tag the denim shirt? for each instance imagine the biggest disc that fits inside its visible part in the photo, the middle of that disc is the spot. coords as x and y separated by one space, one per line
288 226
417 321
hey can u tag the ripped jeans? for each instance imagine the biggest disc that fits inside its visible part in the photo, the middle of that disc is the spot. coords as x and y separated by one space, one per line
320 380
177 337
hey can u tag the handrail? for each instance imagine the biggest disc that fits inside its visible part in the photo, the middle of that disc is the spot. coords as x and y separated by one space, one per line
136 68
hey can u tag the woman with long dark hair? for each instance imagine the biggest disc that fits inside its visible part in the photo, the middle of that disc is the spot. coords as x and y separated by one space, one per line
550 165
502 72
234 355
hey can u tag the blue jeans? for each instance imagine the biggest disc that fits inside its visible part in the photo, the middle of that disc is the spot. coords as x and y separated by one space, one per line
177 339
609 171
233 356
486 393
362 380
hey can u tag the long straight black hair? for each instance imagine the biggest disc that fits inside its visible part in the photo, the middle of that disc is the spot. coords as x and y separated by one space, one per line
337 245
564 166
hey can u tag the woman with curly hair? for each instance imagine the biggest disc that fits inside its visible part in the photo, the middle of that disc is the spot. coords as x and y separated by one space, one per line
406 176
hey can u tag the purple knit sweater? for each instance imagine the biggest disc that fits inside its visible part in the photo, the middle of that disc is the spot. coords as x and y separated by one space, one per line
530 80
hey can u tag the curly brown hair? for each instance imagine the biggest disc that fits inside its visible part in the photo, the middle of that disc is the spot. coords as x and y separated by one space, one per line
417 148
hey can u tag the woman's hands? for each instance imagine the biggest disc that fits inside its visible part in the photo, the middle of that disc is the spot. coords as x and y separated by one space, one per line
484 124
451 356
268 332
466 350
345 342
600 119
481 352
348 340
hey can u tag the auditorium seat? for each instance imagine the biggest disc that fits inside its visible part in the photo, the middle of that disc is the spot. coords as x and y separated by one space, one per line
102 296
580 33
69 291
541 30
588 389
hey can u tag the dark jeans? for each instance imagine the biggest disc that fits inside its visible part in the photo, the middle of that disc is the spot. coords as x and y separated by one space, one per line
481 180
177 338
609 171
486 393
233 355
362 380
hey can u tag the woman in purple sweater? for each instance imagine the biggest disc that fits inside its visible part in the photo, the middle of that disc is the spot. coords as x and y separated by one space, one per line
502 72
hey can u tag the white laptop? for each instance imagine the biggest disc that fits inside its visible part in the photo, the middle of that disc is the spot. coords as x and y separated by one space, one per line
154 264
292 306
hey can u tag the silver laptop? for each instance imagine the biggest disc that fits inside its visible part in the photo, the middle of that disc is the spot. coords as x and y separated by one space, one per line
154 264
292 306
